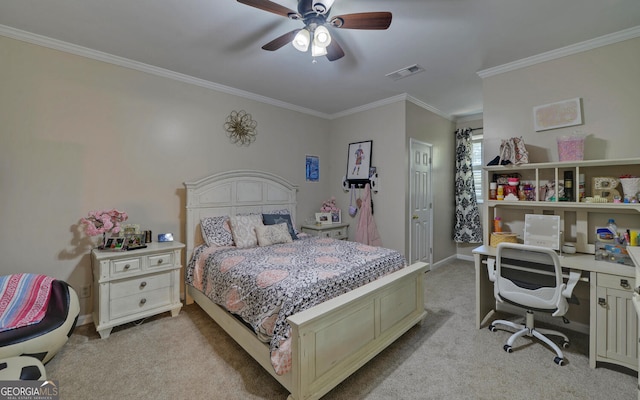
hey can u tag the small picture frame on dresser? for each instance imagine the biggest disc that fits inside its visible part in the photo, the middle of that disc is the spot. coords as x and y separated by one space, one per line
114 244
323 218
134 241
130 229
336 217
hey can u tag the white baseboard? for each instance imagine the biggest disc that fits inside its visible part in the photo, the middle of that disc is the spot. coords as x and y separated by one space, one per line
442 262
464 257
84 319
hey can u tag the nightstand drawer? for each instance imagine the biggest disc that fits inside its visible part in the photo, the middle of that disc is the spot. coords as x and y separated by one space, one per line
139 285
160 260
339 233
135 284
140 302
125 266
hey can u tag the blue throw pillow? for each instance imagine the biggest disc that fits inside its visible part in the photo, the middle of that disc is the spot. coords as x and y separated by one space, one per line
273 219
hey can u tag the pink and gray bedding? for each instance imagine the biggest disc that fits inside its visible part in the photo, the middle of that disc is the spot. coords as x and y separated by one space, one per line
265 285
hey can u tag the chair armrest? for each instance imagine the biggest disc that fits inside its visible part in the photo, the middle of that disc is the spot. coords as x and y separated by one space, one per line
574 277
491 268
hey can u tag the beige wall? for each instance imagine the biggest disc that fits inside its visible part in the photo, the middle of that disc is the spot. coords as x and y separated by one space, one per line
385 125
78 135
433 129
390 127
607 80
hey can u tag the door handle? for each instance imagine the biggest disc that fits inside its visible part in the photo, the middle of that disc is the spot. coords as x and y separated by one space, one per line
414 217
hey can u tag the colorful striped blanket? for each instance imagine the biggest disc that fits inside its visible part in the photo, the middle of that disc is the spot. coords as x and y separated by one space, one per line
23 299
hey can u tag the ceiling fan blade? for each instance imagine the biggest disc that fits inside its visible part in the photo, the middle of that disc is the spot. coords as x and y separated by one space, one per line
278 42
270 6
334 51
366 20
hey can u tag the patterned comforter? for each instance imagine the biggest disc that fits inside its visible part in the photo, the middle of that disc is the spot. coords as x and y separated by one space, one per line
265 285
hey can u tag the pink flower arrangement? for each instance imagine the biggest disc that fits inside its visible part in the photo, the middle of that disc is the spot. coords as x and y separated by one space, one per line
100 222
329 206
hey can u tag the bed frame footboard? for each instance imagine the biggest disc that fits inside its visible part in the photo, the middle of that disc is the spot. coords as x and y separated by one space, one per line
334 339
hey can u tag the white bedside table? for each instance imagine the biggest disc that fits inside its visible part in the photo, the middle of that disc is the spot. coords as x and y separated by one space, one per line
131 285
336 231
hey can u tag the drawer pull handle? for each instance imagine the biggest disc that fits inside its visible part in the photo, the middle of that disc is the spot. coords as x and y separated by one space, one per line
127 266
143 284
625 283
160 261
602 301
142 301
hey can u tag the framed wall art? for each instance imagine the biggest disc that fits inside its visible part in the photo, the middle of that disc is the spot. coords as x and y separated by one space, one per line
557 115
359 162
312 171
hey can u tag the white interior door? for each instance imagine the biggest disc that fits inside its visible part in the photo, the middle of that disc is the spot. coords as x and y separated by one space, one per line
421 243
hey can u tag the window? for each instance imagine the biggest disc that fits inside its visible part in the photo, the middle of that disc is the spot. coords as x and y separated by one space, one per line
476 163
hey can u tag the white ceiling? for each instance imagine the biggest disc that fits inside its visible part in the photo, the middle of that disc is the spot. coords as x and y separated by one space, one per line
219 41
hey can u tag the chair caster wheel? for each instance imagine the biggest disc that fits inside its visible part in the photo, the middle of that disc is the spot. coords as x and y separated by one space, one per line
559 361
507 348
565 345
492 328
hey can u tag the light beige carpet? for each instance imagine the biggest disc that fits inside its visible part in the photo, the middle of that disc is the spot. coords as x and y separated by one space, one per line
190 357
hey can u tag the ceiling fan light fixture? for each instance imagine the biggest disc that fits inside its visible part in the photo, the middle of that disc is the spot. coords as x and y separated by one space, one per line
321 36
317 51
301 40
322 6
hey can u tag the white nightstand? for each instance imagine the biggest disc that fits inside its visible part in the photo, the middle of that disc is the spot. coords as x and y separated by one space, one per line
131 285
336 231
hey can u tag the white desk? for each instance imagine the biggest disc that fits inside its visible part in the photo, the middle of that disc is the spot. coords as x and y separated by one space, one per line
610 293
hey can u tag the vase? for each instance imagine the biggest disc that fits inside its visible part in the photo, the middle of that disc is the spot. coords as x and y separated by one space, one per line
630 187
102 241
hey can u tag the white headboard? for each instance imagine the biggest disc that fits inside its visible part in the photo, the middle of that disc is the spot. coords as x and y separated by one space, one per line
235 192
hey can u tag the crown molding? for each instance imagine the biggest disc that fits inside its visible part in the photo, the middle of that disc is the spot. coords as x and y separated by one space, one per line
611 38
150 69
165 73
391 100
472 117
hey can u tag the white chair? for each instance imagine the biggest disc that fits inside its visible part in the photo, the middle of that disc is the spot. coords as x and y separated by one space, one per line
530 277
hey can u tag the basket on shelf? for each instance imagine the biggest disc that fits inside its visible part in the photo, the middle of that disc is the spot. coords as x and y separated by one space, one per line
499 237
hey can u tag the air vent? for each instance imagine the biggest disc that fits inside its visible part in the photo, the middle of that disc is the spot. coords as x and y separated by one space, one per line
406 71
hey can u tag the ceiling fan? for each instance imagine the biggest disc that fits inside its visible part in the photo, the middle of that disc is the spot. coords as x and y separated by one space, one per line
314 34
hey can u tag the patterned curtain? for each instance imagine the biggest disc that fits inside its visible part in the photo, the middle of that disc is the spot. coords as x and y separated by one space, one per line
468 228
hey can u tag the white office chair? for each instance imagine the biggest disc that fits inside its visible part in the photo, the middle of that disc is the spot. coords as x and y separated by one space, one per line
530 277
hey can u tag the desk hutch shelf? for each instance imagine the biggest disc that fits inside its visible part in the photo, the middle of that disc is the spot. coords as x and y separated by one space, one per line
613 321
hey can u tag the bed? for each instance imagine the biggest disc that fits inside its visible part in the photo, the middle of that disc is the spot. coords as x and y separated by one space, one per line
329 341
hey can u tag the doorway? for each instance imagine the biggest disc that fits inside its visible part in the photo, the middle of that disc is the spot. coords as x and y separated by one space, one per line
420 202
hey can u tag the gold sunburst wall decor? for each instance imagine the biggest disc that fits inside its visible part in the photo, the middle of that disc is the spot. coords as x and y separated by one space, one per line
241 128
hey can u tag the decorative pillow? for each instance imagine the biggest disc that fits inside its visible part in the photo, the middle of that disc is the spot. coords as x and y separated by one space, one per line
273 219
216 231
273 234
243 229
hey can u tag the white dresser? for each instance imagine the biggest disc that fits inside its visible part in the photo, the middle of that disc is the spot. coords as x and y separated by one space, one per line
336 231
131 285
